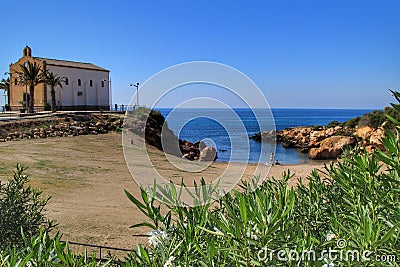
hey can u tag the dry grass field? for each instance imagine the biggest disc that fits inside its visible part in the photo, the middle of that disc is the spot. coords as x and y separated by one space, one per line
86 177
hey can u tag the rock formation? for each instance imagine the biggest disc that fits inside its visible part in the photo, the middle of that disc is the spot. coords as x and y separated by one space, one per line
325 142
332 147
209 153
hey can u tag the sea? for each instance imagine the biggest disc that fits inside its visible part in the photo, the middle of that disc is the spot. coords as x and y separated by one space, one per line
229 130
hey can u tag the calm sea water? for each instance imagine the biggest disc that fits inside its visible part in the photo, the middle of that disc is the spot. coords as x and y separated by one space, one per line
229 130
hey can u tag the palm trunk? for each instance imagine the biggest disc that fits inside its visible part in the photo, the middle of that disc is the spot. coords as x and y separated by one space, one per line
31 98
53 99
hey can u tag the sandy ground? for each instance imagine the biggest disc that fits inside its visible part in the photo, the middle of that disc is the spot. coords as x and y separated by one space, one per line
86 177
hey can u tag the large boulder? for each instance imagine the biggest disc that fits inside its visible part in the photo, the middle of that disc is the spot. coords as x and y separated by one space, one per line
364 133
331 147
330 131
209 153
376 137
316 136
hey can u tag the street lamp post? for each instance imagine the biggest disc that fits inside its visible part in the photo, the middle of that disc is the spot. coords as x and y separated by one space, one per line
137 93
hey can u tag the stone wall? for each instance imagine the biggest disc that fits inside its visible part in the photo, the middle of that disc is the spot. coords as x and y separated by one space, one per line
62 126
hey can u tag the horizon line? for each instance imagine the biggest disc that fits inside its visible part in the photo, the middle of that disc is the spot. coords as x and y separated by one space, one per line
270 108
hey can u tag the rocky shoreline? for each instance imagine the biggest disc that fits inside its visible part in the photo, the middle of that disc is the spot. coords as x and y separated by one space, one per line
69 125
324 142
164 139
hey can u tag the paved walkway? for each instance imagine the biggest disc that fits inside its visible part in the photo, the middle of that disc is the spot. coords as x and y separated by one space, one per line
13 115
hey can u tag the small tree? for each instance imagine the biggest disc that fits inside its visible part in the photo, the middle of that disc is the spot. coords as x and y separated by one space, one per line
31 74
21 211
54 80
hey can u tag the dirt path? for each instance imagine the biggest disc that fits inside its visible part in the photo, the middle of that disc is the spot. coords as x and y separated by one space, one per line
86 177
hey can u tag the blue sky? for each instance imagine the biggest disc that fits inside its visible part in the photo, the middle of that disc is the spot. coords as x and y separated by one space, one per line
312 54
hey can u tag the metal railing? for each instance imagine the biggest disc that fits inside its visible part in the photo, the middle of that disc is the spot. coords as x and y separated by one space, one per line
99 247
122 107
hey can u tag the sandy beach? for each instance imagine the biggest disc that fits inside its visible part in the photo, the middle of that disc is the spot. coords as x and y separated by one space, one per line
86 177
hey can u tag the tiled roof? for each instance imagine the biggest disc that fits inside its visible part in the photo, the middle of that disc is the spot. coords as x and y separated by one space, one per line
70 64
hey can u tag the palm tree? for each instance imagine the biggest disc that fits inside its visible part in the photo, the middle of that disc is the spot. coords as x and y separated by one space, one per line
54 80
5 85
31 74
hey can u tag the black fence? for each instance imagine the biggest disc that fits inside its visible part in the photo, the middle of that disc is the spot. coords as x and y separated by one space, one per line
103 250
123 107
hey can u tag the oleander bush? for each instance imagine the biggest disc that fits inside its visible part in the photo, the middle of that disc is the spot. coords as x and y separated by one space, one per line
354 206
44 251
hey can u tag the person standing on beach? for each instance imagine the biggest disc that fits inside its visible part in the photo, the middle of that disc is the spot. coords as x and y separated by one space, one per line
271 158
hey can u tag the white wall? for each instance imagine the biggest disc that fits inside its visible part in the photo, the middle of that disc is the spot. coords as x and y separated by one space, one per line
91 96
2 100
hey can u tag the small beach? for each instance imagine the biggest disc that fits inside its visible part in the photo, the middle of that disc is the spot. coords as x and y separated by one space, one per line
86 177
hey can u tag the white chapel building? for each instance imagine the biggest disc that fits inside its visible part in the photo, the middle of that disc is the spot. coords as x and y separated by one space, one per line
86 87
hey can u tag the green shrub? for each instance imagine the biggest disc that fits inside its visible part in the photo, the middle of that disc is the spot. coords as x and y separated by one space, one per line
333 124
46 107
117 129
393 113
316 127
352 123
21 210
373 119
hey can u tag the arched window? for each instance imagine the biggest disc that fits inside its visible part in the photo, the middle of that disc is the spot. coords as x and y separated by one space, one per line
66 81
90 83
79 82
102 83
15 81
